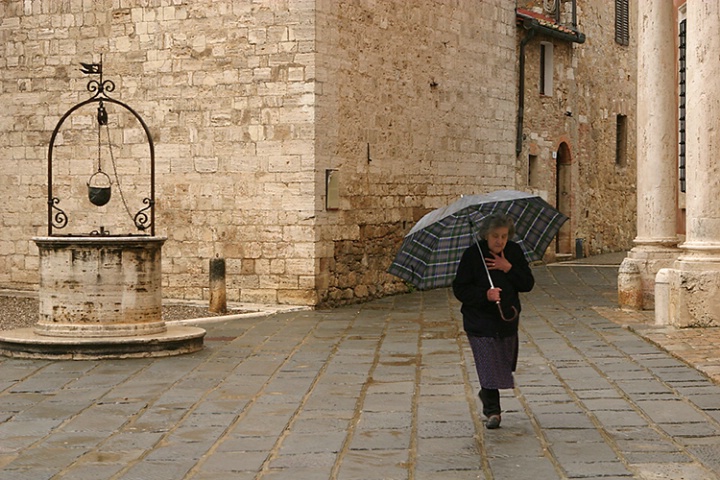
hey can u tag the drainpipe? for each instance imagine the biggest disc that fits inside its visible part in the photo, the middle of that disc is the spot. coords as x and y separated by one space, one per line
521 88
574 14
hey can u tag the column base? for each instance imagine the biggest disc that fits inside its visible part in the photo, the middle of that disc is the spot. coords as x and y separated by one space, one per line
692 287
646 260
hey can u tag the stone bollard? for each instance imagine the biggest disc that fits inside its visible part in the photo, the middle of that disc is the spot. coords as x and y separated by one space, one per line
579 248
662 297
218 297
630 292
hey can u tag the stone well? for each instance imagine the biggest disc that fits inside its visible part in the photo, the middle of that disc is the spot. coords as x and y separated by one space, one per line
100 296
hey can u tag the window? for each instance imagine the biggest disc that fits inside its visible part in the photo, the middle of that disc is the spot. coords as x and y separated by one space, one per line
546 68
621 141
622 22
681 103
533 171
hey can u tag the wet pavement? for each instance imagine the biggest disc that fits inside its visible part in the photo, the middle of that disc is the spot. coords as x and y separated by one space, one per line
382 390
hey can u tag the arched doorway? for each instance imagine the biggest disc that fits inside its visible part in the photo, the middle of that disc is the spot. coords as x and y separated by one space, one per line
563 198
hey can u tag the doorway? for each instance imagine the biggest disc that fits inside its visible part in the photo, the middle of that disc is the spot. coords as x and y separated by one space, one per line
563 198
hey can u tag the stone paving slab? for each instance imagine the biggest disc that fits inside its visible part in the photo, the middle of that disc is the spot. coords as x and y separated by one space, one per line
383 390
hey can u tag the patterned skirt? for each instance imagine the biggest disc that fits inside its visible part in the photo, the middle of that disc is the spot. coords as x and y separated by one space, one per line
495 360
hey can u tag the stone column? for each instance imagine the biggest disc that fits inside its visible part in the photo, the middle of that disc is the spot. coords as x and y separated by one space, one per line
656 241
695 284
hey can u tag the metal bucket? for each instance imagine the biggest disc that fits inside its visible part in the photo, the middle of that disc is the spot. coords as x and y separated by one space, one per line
97 194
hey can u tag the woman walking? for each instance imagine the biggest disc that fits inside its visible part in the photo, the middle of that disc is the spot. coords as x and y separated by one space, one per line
491 308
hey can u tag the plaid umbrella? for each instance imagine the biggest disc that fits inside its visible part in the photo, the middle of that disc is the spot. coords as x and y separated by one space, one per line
431 252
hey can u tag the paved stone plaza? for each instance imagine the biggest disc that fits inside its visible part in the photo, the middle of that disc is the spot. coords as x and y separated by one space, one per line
382 390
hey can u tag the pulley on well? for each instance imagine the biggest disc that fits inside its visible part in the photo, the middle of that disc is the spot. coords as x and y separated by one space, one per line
99 184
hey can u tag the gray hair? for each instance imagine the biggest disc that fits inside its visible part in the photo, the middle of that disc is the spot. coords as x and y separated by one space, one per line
496 220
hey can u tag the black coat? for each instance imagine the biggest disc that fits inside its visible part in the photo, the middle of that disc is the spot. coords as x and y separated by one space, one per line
481 317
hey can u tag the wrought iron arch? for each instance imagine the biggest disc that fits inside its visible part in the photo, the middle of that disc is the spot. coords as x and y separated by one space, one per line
144 219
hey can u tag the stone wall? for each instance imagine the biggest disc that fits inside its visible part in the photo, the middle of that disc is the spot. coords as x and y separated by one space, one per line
594 82
245 128
608 73
227 88
429 89
410 104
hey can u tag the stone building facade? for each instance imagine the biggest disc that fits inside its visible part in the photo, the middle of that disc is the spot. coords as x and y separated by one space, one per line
300 139
578 146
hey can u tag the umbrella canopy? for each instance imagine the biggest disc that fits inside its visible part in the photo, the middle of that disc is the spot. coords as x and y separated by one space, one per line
431 251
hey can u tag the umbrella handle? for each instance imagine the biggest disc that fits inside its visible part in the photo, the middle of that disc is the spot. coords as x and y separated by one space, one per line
492 285
514 316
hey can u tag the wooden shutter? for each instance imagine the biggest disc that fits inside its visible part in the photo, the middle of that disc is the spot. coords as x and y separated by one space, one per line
681 102
622 22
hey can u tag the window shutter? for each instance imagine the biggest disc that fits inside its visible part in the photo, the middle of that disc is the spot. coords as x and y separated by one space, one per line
622 22
681 102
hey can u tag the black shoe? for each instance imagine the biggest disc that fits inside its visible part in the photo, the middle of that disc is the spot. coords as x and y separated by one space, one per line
493 422
490 401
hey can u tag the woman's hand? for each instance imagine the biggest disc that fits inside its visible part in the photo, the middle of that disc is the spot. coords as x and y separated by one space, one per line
493 295
498 262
